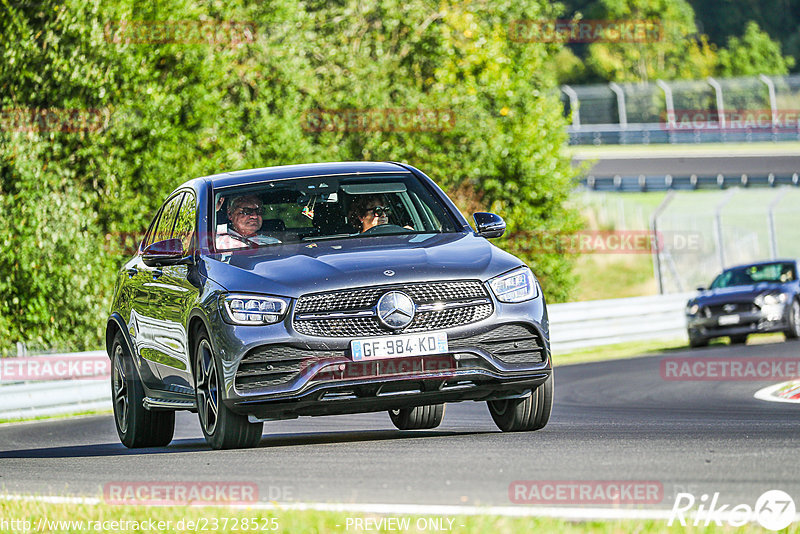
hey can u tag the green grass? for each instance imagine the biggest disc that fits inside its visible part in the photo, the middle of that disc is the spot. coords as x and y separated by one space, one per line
59 416
311 521
618 351
633 349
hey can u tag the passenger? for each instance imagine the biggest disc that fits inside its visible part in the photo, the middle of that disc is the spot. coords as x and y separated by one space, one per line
244 213
371 211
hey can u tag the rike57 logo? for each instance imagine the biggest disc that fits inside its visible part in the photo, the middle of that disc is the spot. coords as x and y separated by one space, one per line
774 510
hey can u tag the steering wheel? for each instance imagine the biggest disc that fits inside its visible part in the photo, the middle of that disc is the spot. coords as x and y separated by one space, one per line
384 229
249 242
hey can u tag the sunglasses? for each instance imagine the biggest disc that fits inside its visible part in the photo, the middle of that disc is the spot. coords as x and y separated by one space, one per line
380 211
250 211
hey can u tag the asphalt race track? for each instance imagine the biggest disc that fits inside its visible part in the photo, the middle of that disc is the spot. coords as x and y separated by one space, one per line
653 165
615 420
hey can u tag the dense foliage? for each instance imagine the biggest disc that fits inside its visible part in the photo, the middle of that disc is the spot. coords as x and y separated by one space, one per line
98 125
684 50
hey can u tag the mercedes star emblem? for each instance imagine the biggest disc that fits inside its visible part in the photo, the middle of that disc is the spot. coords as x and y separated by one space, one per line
395 310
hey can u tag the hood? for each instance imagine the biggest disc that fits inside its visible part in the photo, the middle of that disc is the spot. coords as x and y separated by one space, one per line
310 267
748 293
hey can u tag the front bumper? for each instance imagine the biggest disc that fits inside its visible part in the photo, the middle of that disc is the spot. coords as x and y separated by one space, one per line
374 395
752 322
275 372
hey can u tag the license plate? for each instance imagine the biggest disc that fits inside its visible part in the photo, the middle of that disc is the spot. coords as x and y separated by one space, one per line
728 319
399 346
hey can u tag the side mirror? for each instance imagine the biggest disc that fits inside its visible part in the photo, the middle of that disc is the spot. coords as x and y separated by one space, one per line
489 225
167 252
701 288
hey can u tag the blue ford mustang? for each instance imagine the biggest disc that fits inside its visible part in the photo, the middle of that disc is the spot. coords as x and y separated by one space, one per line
321 289
747 299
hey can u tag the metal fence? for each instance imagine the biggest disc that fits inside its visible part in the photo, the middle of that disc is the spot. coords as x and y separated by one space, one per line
728 228
746 109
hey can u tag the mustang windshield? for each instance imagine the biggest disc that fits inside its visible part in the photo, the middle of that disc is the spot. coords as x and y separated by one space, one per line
778 272
308 209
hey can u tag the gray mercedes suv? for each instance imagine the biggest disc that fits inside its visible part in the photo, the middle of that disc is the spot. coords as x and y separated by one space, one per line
321 289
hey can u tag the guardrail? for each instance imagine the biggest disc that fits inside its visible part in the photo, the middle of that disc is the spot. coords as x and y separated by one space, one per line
574 325
594 323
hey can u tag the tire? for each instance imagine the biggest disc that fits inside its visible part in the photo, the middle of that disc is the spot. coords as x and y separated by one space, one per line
529 413
136 426
793 330
222 428
418 418
696 342
741 339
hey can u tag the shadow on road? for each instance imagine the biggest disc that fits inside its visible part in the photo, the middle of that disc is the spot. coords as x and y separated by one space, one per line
199 445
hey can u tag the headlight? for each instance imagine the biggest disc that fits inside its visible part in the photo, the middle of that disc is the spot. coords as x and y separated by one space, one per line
253 310
693 309
774 298
515 286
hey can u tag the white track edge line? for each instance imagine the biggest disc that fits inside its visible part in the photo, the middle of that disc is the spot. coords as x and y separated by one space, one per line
584 514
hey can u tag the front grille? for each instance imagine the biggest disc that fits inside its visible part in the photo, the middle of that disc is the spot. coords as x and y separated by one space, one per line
470 296
514 343
274 365
733 307
365 298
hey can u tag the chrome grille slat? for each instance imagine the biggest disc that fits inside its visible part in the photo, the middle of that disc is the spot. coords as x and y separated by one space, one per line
462 302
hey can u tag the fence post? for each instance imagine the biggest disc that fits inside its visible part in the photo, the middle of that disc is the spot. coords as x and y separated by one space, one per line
654 236
668 105
773 238
623 114
718 227
574 105
772 104
720 105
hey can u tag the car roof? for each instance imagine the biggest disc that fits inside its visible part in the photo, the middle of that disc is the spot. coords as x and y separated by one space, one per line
266 174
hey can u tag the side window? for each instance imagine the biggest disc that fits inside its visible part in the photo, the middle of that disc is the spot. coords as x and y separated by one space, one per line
184 225
151 231
167 221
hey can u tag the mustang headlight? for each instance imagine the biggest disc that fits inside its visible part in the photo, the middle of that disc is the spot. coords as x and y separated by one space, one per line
774 298
253 310
515 286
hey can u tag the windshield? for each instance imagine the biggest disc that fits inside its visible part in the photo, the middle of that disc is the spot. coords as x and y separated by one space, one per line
779 272
308 209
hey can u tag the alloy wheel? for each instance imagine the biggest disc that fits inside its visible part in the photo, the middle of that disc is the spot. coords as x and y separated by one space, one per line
207 387
120 390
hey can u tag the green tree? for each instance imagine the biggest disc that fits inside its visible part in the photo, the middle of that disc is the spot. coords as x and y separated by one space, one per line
172 111
679 52
753 54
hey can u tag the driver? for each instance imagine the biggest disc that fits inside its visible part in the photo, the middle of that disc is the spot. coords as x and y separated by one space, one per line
371 211
244 213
